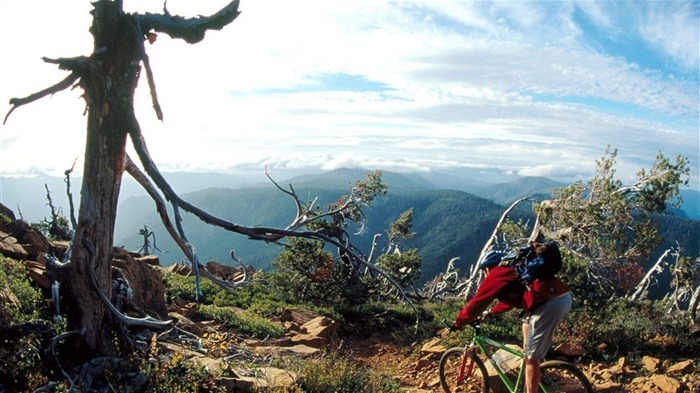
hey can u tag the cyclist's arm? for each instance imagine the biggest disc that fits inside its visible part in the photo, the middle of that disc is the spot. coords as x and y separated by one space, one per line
489 290
500 308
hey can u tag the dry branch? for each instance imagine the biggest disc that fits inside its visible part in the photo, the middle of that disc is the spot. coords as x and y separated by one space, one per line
192 30
62 85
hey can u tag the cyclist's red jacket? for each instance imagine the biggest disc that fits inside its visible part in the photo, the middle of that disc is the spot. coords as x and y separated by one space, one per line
502 283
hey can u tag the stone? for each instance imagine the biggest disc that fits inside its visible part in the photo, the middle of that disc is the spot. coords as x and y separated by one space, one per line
37 272
608 386
224 272
320 326
179 268
309 340
276 377
300 350
8 297
570 350
152 260
10 248
34 242
684 367
651 363
297 316
6 216
433 348
316 332
424 362
145 281
185 323
619 368
666 384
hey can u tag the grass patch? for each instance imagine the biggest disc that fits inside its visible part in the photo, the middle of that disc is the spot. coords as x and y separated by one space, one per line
333 373
244 321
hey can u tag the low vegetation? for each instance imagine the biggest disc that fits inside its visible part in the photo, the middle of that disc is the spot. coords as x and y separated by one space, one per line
612 317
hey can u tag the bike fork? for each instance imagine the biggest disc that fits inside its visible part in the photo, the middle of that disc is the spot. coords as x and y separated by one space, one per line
470 367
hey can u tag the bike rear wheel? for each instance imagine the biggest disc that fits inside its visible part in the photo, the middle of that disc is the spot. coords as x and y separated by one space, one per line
453 363
560 376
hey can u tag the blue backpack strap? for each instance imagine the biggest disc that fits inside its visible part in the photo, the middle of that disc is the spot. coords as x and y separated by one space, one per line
491 259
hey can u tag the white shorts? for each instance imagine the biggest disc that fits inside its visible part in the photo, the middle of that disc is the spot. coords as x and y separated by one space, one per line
541 324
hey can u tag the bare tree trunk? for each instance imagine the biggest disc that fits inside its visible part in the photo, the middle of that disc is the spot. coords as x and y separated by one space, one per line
646 281
694 305
477 275
109 86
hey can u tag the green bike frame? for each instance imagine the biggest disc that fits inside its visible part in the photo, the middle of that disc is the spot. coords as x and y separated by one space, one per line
481 341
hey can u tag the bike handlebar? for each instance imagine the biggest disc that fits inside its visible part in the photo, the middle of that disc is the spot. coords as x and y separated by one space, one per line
476 324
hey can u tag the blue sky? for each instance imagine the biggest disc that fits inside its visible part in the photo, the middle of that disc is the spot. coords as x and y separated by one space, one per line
536 88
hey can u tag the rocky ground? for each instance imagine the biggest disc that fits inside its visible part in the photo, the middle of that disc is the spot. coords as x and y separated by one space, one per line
413 366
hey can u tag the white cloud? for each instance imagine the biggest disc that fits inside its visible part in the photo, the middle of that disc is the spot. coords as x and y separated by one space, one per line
468 84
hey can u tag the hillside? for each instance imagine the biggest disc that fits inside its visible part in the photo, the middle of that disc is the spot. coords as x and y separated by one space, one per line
506 193
449 223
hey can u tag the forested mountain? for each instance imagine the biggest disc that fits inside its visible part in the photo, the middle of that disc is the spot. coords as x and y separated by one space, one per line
506 193
448 223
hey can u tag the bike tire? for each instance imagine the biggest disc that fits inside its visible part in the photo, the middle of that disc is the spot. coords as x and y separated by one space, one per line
450 364
561 376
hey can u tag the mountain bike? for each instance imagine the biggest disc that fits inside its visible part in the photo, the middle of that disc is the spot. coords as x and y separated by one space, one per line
462 369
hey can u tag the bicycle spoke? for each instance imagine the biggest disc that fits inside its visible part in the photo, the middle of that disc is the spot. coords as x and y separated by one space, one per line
558 376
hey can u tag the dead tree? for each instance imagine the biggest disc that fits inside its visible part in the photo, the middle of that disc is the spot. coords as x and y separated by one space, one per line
108 78
642 289
57 228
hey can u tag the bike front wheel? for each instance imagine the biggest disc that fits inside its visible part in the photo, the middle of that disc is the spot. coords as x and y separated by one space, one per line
462 371
560 376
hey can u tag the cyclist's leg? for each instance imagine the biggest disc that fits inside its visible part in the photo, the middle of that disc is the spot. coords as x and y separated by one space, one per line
538 331
533 372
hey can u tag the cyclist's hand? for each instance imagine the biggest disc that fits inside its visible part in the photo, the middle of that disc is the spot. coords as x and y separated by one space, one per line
449 327
485 316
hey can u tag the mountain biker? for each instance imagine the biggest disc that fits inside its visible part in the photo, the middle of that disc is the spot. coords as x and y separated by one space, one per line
545 300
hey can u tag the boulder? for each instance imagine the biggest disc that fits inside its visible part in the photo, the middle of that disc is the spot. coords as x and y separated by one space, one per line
185 323
37 272
433 349
6 216
315 333
684 367
179 268
11 248
298 316
145 281
152 260
299 350
225 272
666 384
651 363
33 241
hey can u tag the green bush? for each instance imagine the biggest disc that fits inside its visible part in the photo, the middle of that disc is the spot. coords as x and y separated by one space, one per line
305 273
176 285
176 374
14 277
245 321
21 367
620 327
